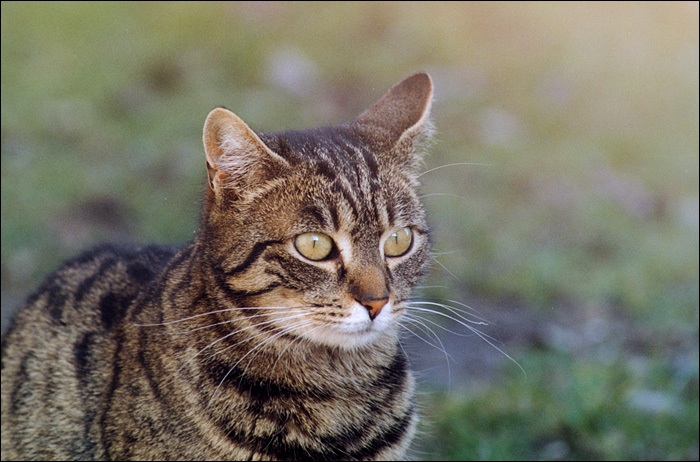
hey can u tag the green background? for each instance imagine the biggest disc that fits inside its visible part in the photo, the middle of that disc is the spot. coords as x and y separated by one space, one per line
570 224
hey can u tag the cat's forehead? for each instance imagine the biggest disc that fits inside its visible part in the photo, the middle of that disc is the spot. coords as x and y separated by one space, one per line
341 182
339 146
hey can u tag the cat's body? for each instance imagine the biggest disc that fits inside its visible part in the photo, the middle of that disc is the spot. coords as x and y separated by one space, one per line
273 335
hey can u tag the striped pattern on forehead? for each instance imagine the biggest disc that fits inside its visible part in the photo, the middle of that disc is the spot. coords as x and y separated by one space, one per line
356 172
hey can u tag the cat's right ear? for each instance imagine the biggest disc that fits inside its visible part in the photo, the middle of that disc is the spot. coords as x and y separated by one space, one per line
237 159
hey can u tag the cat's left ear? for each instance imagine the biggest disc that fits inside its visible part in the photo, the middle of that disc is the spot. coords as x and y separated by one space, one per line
237 159
402 115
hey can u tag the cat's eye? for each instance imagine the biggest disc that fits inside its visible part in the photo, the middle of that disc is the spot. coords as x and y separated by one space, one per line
398 242
314 246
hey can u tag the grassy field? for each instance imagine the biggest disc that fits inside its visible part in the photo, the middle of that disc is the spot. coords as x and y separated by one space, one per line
570 221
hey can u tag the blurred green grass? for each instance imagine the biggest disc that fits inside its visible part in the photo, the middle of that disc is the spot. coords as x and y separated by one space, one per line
568 409
579 215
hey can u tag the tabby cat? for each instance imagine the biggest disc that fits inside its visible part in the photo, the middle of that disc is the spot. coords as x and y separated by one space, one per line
272 335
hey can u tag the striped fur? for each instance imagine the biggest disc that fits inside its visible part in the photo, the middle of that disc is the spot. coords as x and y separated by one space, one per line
237 346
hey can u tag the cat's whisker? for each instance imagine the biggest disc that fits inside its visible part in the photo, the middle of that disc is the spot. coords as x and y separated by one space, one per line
238 331
430 287
259 346
263 334
460 314
455 164
428 331
420 324
445 268
446 252
296 341
209 313
458 320
437 324
283 331
474 312
290 310
442 195
485 337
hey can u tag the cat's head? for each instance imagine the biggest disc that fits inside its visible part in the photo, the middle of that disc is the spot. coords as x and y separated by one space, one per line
321 229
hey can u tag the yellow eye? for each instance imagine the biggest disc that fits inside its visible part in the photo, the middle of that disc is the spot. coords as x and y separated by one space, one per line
314 246
398 242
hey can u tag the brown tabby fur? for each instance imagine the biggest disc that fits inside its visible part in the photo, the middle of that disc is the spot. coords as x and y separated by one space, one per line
236 346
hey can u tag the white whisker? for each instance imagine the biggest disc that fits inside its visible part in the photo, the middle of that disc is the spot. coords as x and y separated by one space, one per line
228 321
430 287
259 346
481 321
445 268
437 324
455 165
419 323
209 313
446 252
297 340
485 337
234 333
442 194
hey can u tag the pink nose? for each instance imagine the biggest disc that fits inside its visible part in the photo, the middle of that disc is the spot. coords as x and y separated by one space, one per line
374 306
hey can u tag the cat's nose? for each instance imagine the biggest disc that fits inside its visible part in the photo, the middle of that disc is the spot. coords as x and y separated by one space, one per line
374 306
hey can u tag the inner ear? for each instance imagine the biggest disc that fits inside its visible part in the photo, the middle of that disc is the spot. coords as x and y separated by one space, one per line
403 112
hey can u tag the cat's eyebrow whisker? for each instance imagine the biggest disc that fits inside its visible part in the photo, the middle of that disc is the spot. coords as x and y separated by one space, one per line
445 268
423 196
455 164
446 252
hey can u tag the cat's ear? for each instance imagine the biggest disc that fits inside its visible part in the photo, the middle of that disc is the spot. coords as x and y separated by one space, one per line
237 159
401 115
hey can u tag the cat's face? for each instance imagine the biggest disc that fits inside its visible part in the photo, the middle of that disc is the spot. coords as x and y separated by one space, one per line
320 231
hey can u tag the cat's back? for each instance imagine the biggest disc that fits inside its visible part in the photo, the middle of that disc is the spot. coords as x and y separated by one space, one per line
56 356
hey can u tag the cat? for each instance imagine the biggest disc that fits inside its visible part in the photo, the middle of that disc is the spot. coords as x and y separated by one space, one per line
272 335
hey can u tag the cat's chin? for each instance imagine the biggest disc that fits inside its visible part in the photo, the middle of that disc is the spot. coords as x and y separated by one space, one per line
346 341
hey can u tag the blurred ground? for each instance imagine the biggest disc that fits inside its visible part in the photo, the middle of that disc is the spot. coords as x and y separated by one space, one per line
573 230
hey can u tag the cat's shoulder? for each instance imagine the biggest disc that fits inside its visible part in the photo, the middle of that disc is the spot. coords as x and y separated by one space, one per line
97 285
135 265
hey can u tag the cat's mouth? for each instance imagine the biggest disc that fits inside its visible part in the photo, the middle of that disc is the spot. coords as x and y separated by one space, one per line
355 328
346 324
